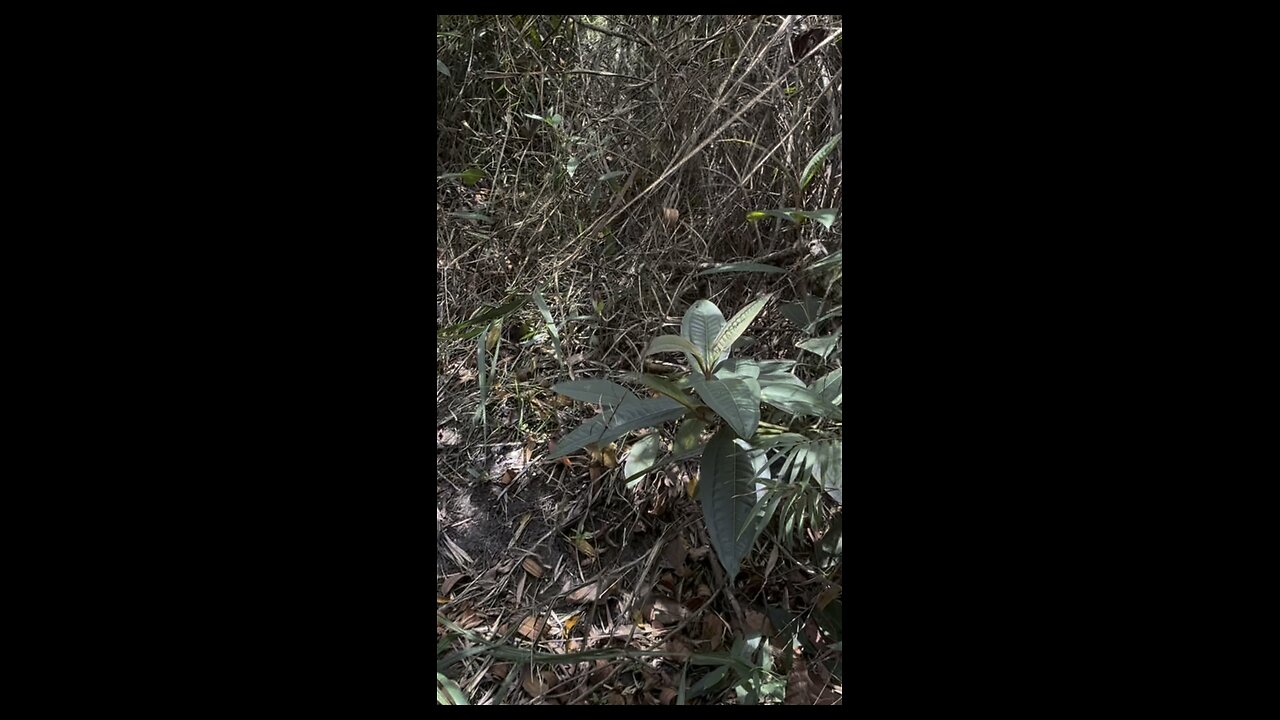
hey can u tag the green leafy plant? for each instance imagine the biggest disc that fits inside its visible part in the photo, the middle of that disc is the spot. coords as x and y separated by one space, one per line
761 456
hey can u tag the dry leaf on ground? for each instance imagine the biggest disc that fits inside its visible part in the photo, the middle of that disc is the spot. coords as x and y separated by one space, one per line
801 689
667 611
674 553
587 593
533 682
533 627
532 566
449 581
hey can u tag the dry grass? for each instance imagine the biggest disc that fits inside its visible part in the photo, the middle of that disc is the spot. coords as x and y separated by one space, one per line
555 582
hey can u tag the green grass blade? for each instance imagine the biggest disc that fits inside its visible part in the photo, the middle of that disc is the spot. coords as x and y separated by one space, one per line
816 161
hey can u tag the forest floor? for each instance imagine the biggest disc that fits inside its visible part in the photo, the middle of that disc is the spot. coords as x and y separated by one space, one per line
557 582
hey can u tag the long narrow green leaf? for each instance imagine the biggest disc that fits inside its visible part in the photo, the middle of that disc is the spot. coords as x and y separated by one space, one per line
452 694
483 378
779 441
541 304
817 460
816 161
472 216
830 387
832 541
708 681
833 261
764 511
826 217
736 326
502 649
833 481
793 468
742 267
482 318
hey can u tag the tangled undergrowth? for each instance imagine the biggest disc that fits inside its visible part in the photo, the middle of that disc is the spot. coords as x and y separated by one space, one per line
596 177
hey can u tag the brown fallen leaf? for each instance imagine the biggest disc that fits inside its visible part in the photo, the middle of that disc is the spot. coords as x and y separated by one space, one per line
800 686
450 581
532 566
533 627
470 619
609 456
668 611
676 646
586 548
713 629
532 683
667 695
500 670
588 593
507 477
674 553
602 672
